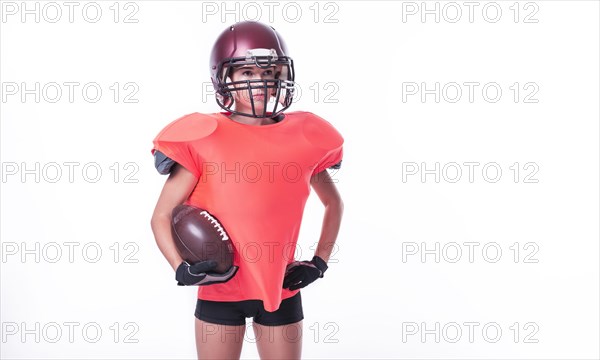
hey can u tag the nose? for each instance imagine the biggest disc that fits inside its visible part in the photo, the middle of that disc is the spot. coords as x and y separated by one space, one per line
257 87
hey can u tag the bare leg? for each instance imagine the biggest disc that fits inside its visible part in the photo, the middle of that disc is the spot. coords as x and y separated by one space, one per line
279 342
214 341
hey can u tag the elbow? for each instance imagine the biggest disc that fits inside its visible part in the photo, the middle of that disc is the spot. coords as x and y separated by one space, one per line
153 223
159 220
336 204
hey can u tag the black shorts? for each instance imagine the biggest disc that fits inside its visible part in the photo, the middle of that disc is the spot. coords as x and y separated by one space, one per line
236 312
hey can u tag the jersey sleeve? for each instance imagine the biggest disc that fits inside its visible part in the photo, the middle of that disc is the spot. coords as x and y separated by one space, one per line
332 160
323 135
178 143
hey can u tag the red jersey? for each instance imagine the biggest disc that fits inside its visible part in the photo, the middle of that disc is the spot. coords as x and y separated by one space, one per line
255 179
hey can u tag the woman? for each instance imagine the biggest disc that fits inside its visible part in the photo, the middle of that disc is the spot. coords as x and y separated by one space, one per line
252 167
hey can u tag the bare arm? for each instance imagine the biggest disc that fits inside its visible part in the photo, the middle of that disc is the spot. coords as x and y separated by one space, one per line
176 190
334 208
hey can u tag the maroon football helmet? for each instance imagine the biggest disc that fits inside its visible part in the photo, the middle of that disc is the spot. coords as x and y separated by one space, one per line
252 44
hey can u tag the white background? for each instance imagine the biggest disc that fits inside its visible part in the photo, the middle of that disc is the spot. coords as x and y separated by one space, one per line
377 292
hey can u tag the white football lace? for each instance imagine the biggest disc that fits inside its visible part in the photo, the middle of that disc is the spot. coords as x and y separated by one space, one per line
216 225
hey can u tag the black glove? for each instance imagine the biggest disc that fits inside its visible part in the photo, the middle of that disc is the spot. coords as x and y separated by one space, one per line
198 274
301 273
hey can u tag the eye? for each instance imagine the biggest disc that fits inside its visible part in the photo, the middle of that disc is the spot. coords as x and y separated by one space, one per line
247 73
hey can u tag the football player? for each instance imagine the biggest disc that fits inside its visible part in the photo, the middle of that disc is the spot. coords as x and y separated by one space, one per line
253 166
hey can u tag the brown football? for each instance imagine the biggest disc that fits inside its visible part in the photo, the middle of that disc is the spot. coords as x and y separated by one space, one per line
199 236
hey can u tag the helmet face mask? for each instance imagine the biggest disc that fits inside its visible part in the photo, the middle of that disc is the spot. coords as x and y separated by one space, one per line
278 91
257 46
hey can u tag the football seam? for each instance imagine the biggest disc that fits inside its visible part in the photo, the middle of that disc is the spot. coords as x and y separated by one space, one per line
216 225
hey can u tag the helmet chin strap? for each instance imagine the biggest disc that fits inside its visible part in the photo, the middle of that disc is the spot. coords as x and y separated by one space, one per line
279 117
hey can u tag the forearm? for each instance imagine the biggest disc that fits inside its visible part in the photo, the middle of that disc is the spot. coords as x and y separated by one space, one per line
332 220
161 227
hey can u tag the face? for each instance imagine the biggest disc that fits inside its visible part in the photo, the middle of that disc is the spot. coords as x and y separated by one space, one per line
242 97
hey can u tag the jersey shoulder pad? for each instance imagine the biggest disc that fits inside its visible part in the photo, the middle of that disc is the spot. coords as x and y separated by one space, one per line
188 128
175 142
320 132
